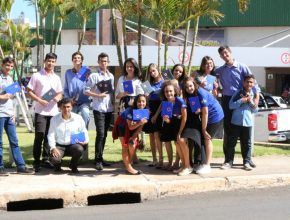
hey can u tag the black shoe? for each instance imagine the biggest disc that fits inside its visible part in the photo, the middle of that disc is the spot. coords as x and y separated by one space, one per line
106 164
3 172
36 168
57 168
73 169
47 164
139 172
252 164
24 170
99 166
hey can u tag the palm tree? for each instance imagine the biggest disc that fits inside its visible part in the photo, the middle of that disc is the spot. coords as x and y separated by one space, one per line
64 10
166 16
206 8
84 9
117 43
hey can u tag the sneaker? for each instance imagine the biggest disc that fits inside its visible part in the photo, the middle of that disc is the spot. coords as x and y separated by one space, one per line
106 164
247 167
3 172
226 166
73 169
99 166
252 164
176 171
204 169
185 171
24 170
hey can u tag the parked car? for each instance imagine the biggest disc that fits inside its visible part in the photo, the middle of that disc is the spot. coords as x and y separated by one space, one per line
271 121
280 101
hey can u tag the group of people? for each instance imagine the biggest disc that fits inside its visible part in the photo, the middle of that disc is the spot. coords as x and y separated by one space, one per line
183 109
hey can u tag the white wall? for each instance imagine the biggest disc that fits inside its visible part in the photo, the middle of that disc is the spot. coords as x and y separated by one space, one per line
69 37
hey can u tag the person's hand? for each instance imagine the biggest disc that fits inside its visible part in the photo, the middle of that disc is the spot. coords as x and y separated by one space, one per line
178 136
206 135
153 119
43 102
166 119
197 111
143 121
82 143
55 152
103 95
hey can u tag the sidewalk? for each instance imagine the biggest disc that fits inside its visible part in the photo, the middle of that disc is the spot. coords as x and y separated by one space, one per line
75 190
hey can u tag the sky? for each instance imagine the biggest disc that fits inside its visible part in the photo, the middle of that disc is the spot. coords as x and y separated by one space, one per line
22 5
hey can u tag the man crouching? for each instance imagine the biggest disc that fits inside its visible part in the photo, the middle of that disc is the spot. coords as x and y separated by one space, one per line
67 136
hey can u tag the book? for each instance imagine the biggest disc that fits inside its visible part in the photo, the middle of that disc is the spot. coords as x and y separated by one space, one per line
13 88
167 75
146 86
105 86
167 108
139 114
210 82
194 103
49 95
128 86
78 137
84 73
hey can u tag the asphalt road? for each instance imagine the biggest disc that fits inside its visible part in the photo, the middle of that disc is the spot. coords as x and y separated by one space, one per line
268 203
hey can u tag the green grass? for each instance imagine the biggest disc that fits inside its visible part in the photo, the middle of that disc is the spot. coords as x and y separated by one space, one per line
112 151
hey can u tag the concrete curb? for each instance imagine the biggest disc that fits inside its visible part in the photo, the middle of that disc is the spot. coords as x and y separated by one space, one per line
74 191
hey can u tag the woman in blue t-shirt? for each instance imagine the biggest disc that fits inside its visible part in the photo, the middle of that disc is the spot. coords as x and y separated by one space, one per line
211 118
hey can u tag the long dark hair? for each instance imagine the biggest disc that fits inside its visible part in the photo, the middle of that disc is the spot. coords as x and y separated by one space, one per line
136 100
204 60
183 75
137 72
173 83
196 86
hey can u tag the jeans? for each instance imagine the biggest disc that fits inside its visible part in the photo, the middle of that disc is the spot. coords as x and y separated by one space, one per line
244 133
41 130
73 150
227 124
102 122
8 124
84 110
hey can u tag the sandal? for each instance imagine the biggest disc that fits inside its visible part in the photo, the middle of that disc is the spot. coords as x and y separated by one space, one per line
159 165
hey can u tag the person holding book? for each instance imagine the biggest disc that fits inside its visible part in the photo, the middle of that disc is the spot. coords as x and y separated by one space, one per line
45 90
128 132
67 136
152 127
74 84
211 121
174 118
129 84
205 78
100 87
242 104
192 130
7 117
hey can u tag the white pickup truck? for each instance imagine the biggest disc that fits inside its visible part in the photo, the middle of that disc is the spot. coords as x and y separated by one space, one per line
272 123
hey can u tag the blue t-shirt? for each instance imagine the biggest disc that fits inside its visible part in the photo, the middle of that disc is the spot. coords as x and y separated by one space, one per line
215 111
179 103
155 96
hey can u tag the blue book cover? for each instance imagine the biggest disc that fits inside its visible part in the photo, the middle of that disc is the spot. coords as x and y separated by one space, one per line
13 88
84 73
194 103
49 95
210 82
128 86
167 108
139 114
78 137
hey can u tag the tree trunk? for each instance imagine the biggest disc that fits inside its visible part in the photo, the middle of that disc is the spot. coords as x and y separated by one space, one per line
124 37
159 47
115 30
58 34
43 35
52 29
38 36
166 49
140 43
82 34
196 22
185 41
